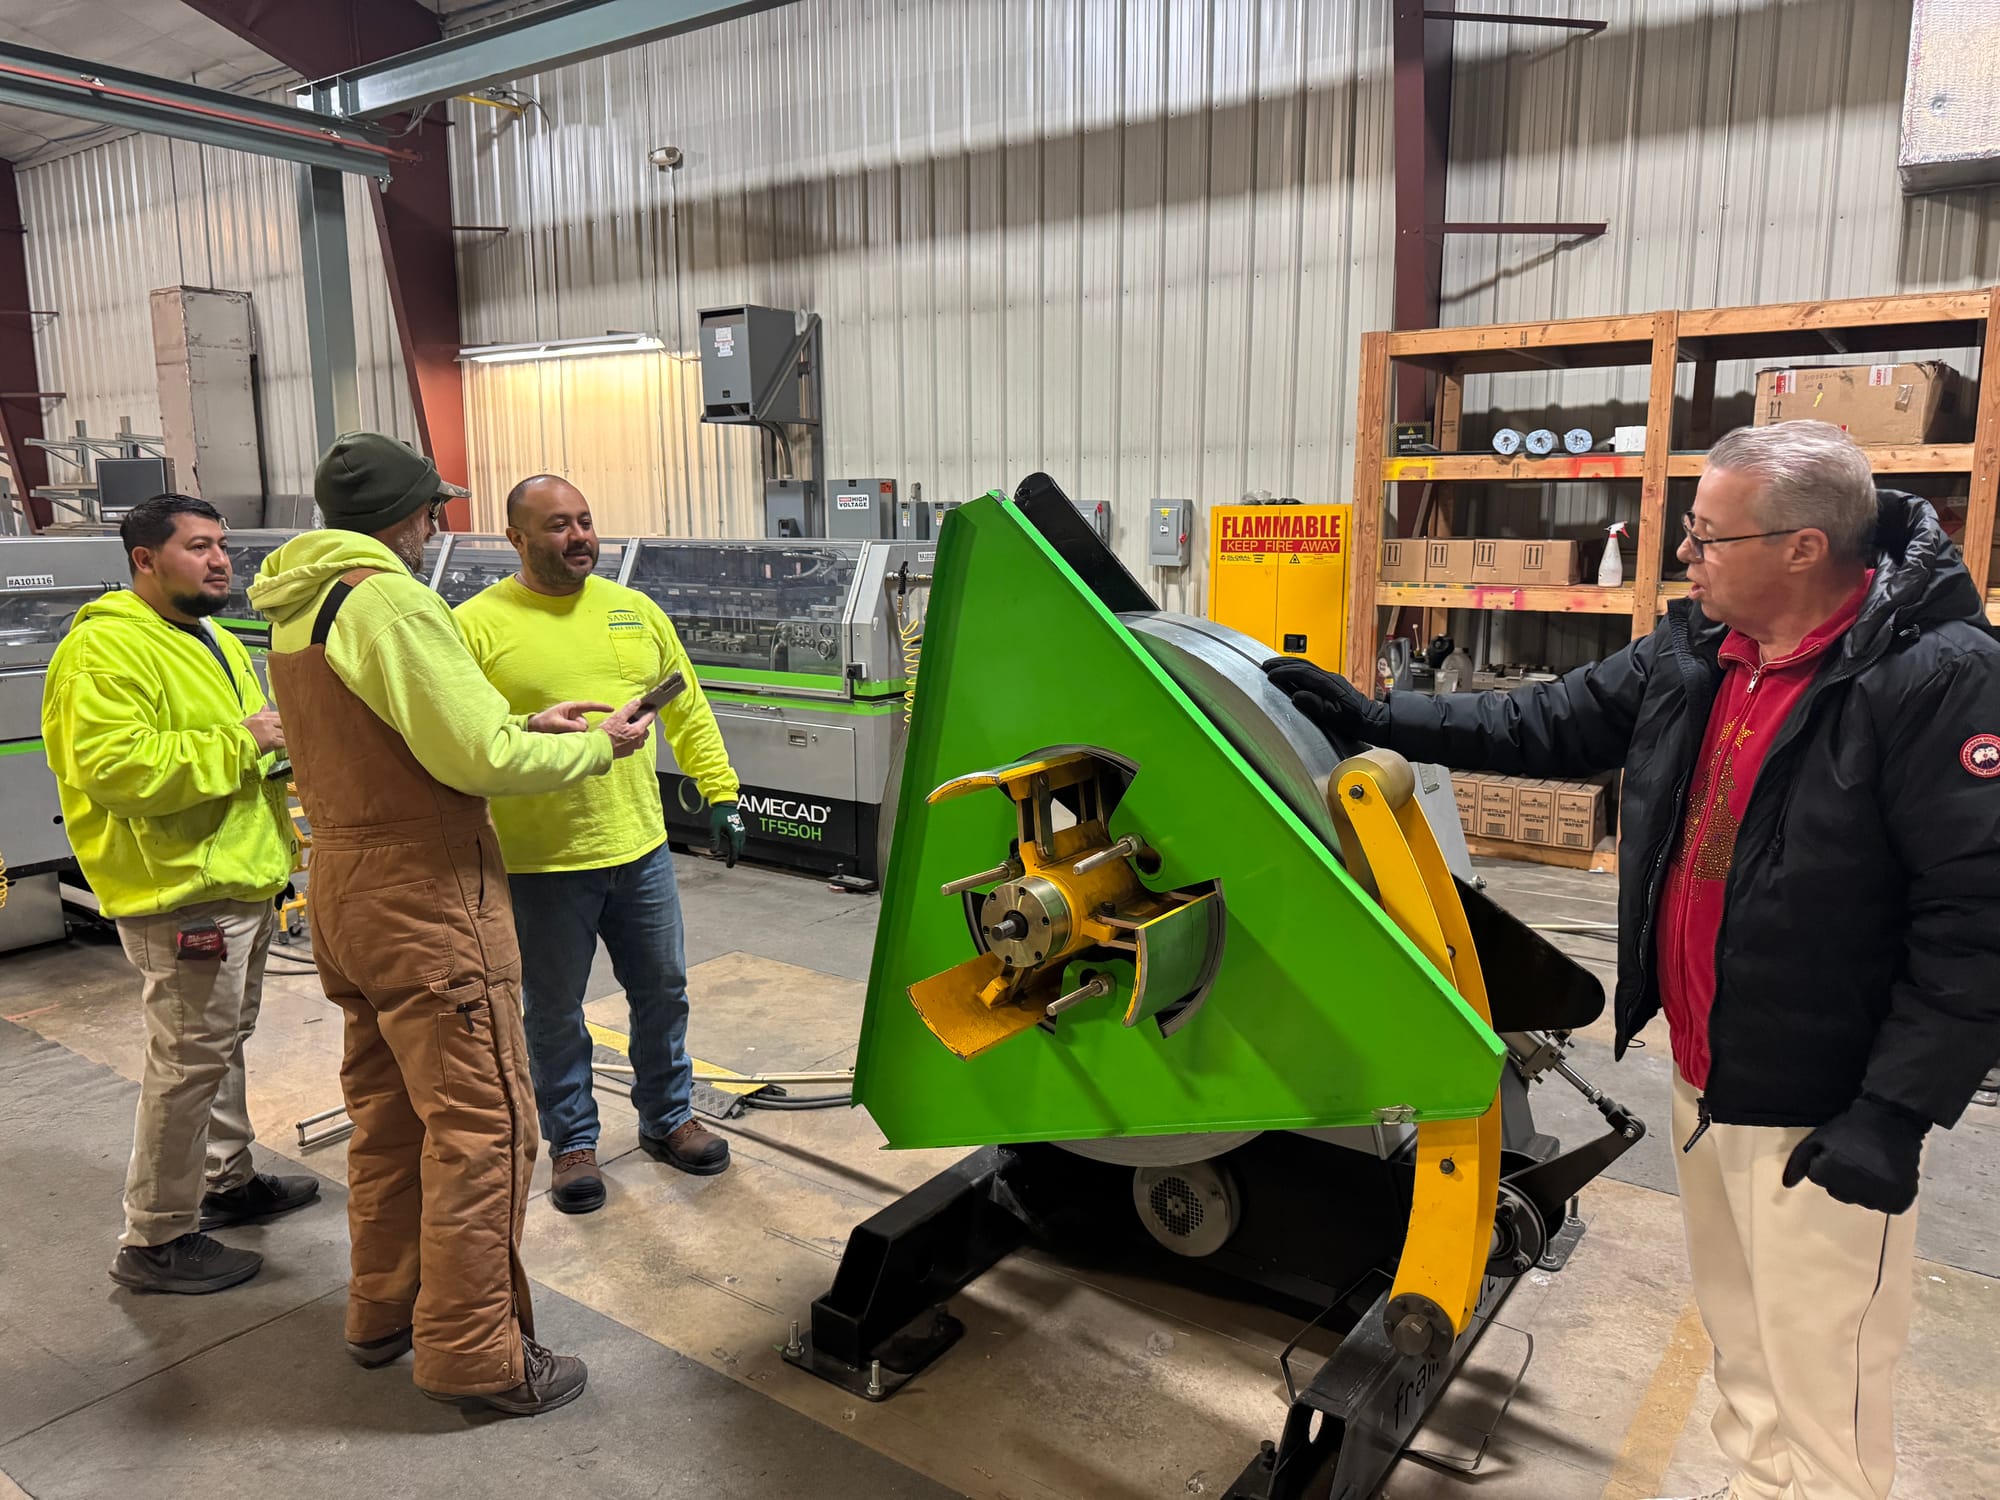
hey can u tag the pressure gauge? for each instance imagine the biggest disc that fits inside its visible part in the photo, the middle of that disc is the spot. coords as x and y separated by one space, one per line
1578 440
1506 442
1541 442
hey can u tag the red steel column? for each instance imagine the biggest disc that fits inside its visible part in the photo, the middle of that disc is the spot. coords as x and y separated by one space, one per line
20 380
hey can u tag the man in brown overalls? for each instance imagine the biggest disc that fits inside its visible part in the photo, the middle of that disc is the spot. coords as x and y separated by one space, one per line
396 741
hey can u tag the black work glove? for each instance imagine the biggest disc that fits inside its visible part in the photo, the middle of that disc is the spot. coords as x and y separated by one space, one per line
725 828
1342 711
1866 1156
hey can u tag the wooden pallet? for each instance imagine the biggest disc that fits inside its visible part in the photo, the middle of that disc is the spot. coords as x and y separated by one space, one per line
1604 861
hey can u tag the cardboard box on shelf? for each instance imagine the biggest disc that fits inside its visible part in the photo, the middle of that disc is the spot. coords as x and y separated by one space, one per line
1448 559
1906 403
1496 808
1534 812
1579 815
1551 562
1402 560
1497 560
1465 792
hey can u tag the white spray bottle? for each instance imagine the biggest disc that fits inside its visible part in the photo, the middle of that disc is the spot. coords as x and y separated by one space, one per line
1611 571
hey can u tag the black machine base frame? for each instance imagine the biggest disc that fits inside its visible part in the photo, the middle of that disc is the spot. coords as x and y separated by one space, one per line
1319 1233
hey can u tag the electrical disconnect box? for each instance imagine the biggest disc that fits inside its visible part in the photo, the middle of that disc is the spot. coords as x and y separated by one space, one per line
1169 524
863 508
913 520
749 359
1098 514
793 507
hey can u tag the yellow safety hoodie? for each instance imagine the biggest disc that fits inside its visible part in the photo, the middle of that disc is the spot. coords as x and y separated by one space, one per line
162 788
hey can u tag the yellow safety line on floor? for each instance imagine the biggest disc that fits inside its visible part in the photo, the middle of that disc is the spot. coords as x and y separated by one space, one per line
620 1043
1663 1412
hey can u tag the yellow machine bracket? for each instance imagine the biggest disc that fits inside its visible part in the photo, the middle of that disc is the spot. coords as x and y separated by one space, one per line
1389 847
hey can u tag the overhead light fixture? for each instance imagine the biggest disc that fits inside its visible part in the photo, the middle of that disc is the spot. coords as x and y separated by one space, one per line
603 343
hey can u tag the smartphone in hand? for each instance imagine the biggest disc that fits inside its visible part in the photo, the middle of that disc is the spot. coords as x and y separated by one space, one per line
665 693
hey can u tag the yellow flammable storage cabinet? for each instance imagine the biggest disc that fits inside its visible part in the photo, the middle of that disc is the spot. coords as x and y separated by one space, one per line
1278 573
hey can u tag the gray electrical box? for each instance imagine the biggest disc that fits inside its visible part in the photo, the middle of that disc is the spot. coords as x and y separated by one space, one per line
749 354
792 508
863 508
913 520
1169 527
1097 515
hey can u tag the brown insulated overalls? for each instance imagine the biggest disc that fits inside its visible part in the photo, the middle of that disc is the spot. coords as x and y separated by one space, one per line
413 933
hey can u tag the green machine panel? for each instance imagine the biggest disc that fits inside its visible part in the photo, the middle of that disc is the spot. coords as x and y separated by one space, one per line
1319 1012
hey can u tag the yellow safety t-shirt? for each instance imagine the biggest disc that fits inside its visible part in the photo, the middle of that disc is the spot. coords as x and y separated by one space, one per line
611 644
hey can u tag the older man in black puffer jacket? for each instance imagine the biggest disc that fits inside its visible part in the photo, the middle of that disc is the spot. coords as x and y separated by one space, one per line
1809 886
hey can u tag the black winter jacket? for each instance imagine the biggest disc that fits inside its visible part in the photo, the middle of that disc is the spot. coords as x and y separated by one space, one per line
1860 941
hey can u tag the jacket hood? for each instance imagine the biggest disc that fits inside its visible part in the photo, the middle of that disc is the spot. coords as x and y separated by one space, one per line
296 574
1919 575
120 605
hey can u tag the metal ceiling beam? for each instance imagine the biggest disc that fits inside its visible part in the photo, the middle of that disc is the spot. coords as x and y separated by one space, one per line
161 106
546 39
20 415
412 219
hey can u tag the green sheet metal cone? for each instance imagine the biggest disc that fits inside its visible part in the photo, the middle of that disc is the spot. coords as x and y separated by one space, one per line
1321 1013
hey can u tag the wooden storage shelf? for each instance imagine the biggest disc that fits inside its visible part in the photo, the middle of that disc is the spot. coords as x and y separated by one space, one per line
1481 467
1553 599
1662 341
1926 458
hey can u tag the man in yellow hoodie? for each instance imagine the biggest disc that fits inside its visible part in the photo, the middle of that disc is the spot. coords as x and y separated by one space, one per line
160 741
396 741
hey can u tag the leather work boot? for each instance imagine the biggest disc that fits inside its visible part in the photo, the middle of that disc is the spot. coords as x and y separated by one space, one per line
378 1352
192 1264
692 1147
577 1187
262 1197
552 1380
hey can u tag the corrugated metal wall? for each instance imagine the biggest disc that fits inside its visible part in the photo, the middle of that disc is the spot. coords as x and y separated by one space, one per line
109 224
1131 244
1741 151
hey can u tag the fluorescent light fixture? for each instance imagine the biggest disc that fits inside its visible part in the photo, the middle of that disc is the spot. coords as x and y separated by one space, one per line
603 343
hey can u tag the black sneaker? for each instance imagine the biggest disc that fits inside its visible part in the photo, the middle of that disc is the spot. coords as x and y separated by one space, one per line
552 1380
262 1197
192 1264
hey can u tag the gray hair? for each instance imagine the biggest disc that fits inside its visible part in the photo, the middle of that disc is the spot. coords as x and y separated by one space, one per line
1815 476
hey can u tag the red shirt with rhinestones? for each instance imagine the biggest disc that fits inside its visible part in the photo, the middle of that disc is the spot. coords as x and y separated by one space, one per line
1751 706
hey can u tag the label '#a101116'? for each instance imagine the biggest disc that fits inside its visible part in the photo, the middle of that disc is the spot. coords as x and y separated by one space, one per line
31 581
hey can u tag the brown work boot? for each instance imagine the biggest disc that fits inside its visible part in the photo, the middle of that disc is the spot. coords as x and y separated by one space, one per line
693 1147
552 1380
578 1186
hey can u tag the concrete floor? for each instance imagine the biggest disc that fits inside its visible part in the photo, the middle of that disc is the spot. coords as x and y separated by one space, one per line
680 1290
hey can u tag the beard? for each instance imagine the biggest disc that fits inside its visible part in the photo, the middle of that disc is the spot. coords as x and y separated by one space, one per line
199 606
552 571
409 550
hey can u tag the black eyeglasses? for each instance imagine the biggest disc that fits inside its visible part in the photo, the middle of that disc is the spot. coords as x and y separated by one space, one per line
1702 543
437 513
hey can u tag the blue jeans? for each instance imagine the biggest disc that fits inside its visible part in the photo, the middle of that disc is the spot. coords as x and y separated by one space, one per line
559 917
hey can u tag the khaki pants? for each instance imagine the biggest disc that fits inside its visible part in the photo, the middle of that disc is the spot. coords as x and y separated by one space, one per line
1807 1301
193 1130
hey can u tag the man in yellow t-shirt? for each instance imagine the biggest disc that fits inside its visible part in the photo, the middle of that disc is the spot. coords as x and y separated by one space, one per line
590 862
